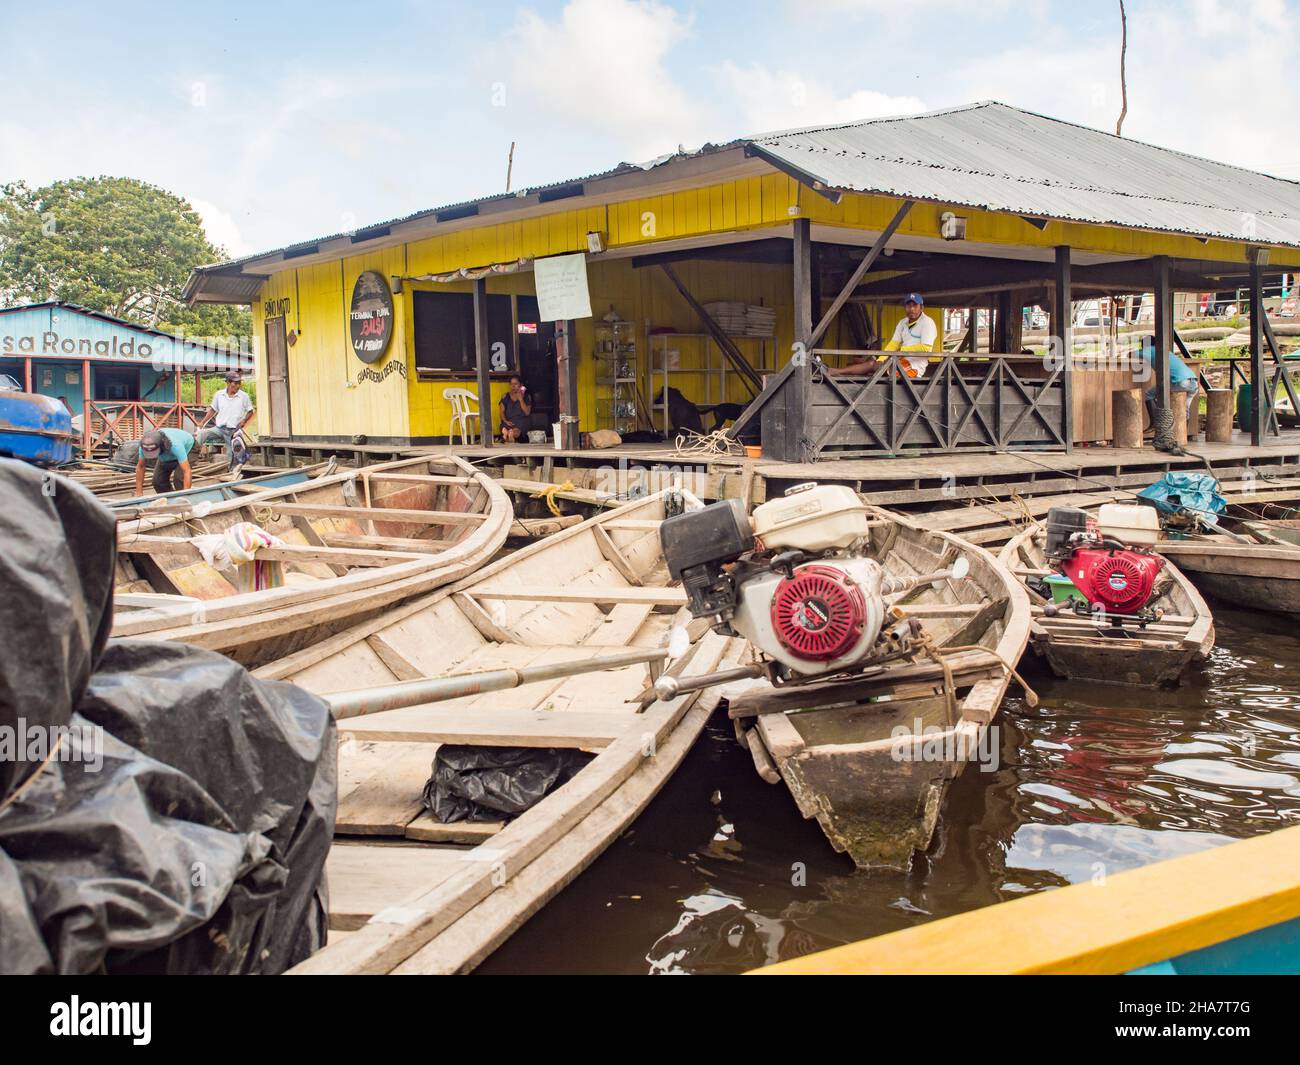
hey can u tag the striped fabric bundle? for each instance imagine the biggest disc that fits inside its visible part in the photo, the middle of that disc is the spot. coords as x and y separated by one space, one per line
234 552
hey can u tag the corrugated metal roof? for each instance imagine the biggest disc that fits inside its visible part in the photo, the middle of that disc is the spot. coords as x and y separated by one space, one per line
307 246
986 155
993 156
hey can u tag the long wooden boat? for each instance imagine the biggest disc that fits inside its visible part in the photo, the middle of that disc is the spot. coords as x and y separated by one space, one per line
1233 909
1274 531
220 491
408 894
874 766
1257 575
353 543
116 481
1113 650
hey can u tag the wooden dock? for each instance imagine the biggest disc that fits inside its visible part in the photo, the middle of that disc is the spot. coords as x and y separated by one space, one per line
905 482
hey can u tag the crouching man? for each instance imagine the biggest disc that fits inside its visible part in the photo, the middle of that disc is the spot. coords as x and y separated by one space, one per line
169 451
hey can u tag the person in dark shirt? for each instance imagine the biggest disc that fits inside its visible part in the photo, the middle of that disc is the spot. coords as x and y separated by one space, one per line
516 411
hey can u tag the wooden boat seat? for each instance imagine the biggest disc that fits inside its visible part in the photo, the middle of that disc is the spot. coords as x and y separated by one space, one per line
587 729
366 879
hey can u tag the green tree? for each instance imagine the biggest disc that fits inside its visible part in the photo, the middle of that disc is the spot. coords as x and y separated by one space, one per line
111 244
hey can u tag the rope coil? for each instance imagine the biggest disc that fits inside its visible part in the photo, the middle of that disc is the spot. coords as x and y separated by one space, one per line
549 493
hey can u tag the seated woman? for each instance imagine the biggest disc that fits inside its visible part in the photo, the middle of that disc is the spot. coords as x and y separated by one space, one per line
516 411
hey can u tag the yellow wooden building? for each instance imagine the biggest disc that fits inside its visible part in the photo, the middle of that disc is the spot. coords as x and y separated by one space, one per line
977 207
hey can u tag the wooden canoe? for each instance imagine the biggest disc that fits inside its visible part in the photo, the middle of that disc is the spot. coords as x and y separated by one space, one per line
1253 576
873 770
1117 652
408 894
344 557
1274 531
220 491
114 481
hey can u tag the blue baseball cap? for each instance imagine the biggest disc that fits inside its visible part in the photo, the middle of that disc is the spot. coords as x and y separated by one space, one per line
914 297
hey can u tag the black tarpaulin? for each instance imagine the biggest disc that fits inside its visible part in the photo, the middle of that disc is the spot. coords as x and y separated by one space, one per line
166 812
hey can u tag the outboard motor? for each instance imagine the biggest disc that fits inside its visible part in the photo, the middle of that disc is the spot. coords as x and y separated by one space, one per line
1111 575
796 580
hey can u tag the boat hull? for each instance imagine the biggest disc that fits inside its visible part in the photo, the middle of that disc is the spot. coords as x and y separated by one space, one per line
871 759
35 428
450 894
1140 666
1121 652
1250 576
344 560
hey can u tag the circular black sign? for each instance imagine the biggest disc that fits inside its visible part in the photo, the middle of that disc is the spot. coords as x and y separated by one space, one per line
370 322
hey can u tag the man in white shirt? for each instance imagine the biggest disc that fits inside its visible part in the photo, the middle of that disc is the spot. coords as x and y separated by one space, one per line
915 332
232 409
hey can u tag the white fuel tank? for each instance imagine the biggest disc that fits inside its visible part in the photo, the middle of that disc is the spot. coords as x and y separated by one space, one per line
817 518
1129 523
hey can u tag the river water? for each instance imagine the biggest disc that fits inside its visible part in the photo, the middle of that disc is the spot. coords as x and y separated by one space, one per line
720 874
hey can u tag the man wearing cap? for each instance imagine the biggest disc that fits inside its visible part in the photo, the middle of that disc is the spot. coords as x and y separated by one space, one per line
169 450
232 409
915 332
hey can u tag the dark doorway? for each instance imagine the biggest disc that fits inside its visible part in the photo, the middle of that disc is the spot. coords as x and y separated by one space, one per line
537 365
117 384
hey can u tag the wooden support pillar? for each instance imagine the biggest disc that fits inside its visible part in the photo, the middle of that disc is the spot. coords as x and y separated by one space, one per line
1260 387
1015 337
998 336
815 281
1164 324
198 387
1063 329
85 407
566 355
969 341
27 375
483 362
179 401
786 426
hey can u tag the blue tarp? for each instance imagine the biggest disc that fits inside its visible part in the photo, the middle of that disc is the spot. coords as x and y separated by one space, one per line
1194 492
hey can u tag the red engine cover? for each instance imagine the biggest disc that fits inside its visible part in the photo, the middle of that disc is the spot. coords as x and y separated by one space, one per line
1121 581
818 613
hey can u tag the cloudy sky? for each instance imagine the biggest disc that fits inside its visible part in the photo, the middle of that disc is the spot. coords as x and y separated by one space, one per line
285 121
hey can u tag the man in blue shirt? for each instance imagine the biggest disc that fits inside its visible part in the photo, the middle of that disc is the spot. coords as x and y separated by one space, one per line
169 449
1182 378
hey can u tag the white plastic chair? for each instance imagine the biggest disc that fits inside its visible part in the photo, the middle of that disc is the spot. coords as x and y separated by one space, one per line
464 407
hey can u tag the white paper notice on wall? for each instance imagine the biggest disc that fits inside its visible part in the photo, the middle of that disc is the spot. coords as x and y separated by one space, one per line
561 283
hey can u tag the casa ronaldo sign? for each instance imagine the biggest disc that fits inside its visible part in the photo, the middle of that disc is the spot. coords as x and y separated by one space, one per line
63 333
54 344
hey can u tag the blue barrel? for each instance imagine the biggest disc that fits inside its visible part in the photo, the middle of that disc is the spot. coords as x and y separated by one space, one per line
35 428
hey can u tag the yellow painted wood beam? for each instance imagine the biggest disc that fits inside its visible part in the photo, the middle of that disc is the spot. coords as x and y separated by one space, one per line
1127 921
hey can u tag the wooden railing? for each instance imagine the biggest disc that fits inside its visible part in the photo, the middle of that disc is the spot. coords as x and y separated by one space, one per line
111 422
964 402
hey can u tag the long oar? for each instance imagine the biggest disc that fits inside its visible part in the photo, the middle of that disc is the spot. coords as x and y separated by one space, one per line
438 689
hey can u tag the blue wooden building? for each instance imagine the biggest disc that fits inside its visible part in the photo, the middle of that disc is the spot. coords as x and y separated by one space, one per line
118 378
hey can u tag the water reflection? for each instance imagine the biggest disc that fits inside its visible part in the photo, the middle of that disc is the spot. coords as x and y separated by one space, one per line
721 874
